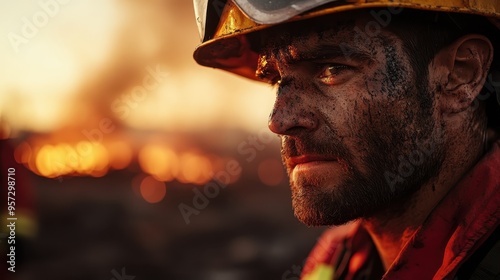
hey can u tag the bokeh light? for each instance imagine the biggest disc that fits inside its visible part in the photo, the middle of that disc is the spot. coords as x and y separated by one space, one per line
152 190
120 154
194 168
82 158
159 161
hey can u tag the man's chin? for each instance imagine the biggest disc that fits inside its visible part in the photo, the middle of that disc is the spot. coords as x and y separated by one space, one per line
313 214
334 205
318 220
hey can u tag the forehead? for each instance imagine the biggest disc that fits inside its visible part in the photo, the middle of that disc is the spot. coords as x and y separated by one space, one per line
350 33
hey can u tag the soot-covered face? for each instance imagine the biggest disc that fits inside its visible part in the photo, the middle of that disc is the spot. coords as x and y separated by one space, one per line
357 124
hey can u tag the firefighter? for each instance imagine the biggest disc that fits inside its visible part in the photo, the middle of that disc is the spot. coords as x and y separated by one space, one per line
389 117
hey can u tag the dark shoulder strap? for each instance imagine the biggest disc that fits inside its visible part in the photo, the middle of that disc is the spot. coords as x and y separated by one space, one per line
484 264
489 267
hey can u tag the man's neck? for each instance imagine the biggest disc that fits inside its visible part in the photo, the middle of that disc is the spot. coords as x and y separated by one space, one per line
391 229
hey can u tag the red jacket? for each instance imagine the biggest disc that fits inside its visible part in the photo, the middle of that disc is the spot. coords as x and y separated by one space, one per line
455 229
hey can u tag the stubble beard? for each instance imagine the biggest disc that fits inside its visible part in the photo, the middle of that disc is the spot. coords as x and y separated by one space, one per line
318 202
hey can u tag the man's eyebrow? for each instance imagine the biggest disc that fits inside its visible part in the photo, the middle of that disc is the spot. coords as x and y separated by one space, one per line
267 62
326 52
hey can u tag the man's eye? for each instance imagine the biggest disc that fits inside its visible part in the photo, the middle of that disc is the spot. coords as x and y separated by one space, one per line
329 74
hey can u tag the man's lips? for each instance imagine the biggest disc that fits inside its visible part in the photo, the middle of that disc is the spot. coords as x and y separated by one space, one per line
309 160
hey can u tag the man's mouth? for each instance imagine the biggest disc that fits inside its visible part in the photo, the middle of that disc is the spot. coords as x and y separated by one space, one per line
309 161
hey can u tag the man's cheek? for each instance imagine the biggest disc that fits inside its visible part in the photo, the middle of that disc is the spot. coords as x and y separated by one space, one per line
378 115
376 85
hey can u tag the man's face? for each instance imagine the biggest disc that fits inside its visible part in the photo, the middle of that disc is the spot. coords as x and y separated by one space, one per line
358 127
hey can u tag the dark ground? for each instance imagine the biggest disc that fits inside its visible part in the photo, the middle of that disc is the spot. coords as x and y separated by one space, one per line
98 228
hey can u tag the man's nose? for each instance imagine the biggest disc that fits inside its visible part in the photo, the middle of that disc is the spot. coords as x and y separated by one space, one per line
292 114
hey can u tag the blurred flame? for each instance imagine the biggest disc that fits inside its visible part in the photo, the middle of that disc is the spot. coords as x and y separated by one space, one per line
76 65
120 154
92 158
42 161
159 161
164 164
83 158
194 168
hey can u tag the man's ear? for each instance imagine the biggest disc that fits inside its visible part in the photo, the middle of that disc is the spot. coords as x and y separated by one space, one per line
465 63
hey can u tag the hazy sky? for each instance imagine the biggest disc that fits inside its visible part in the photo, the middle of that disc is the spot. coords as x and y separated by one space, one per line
71 63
